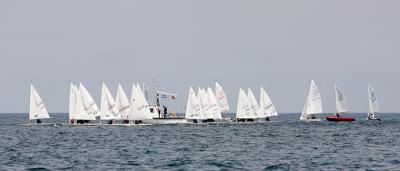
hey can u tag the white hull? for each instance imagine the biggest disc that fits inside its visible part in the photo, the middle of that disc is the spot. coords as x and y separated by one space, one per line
374 119
166 121
41 124
75 125
311 120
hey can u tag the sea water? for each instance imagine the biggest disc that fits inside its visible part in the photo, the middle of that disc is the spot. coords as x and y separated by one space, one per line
284 145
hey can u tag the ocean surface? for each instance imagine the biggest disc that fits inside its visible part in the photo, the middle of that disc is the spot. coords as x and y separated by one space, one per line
286 144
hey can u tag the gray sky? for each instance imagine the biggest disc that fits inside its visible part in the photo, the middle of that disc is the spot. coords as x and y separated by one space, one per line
280 45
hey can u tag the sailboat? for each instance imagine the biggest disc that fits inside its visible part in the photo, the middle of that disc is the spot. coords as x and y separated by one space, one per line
193 107
140 112
373 106
88 102
37 109
77 112
221 98
108 111
122 104
214 110
341 107
208 117
243 107
267 108
313 104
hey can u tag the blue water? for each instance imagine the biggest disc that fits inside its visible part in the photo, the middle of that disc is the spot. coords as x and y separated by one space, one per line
284 145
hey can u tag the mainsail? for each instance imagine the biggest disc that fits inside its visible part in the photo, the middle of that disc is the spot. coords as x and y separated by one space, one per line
139 106
373 102
254 108
221 98
37 109
243 106
267 108
341 106
88 102
214 110
122 103
206 105
108 107
193 108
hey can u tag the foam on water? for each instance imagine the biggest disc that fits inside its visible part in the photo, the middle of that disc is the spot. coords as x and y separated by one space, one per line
285 145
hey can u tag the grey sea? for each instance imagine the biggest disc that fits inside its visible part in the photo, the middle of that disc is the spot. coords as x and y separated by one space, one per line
286 144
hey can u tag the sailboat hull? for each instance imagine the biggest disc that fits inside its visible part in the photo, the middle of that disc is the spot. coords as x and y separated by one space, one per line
340 119
41 124
310 120
374 119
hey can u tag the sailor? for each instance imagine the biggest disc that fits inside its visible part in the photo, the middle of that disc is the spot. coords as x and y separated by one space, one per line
337 115
159 111
165 111
312 116
38 121
267 118
369 116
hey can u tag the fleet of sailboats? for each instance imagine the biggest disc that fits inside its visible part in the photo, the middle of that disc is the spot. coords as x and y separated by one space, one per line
248 109
204 106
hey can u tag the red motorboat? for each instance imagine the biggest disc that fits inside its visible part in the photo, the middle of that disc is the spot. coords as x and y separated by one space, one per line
340 119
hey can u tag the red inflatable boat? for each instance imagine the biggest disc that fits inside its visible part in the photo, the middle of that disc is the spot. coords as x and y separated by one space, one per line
340 119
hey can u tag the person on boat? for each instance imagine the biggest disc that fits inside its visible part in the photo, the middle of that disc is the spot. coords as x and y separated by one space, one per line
159 111
313 117
369 116
337 115
165 111
38 121
267 119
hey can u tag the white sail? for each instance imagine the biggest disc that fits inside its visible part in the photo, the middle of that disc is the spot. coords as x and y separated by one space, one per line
314 104
254 108
341 106
206 105
72 102
203 103
373 101
304 114
108 109
193 109
122 103
139 106
221 98
267 108
80 112
88 102
214 108
243 106
37 109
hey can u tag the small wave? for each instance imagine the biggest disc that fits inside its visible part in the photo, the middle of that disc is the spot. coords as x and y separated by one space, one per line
37 169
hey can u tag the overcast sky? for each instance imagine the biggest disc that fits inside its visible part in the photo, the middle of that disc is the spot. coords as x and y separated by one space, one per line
280 45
